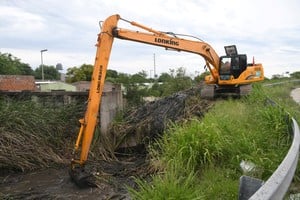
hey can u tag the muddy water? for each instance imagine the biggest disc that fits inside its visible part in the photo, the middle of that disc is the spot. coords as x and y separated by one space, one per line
112 181
52 184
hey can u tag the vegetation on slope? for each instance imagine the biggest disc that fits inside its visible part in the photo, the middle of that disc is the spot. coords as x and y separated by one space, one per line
201 159
35 136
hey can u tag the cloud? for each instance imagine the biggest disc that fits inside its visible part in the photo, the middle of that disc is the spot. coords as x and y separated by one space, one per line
14 20
268 30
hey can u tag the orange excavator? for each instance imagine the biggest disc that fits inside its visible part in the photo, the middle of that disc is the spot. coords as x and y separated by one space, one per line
228 74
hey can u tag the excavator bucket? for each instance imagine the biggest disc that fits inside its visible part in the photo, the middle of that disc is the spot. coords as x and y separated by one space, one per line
82 178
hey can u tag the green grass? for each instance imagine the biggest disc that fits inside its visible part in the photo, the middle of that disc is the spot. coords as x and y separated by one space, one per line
171 185
204 156
280 94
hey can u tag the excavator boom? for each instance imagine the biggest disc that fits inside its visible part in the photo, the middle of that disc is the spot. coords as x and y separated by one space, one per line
88 123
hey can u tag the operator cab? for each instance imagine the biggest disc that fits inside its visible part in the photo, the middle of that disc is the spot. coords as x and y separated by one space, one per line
232 64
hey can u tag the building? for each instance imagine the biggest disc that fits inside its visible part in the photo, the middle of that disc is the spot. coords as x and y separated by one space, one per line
82 86
49 86
16 83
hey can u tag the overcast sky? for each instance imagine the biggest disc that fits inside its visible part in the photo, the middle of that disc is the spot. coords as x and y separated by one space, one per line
269 30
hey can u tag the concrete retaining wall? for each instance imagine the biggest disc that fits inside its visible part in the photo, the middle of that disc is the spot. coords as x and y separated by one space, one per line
112 102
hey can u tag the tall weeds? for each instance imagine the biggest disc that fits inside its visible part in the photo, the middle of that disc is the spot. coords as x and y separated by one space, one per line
35 136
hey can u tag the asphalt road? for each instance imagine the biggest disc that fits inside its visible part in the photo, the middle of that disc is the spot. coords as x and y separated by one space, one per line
296 95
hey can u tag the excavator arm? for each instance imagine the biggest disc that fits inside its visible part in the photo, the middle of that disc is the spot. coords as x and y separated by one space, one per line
104 45
109 31
88 123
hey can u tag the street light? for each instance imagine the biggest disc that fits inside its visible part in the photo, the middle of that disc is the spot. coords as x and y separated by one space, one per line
43 50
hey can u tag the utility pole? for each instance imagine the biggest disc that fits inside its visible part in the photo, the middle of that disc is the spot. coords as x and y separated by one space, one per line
154 66
42 65
151 70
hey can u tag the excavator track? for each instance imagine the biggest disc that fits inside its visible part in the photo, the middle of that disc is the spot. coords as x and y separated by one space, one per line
245 90
211 91
208 92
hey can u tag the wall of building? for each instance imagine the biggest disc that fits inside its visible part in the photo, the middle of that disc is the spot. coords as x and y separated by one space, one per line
82 85
54 86
17 83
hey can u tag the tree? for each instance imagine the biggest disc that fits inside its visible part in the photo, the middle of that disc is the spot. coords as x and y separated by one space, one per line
140 77
50 73
83 73
123 78
111 73
164 77
178 81
156 90
11 65
201 77
111 76
295 75
134 94
133 90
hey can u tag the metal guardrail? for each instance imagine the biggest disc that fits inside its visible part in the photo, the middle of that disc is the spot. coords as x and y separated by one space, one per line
277 185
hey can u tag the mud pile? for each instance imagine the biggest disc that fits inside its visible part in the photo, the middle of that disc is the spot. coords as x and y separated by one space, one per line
152 119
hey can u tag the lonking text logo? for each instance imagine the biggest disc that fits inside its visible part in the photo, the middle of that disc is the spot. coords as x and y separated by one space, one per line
164 41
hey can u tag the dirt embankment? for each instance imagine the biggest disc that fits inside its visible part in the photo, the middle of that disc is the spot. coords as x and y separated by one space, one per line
139 126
